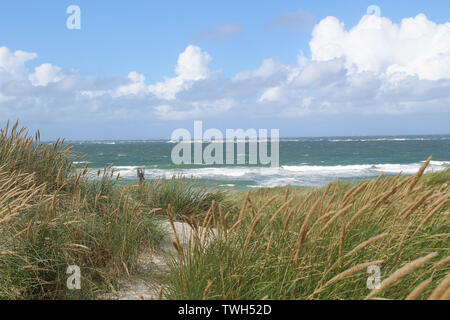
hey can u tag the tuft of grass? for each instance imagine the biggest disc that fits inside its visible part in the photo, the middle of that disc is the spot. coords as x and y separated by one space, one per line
20 152
321 243
438 178
187 197
52 216
281 243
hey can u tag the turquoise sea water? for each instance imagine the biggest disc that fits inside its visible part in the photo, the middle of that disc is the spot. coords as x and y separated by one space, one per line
303 161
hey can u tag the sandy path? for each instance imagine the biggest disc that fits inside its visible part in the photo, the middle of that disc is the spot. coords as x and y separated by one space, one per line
155 264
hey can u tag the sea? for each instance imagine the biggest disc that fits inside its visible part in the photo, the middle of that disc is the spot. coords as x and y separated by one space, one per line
308 162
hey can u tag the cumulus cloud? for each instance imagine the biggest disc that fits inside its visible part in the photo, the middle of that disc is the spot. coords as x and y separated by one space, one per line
135 87
417 46
45 74
268 69
192 66
376 67
12 64
271 94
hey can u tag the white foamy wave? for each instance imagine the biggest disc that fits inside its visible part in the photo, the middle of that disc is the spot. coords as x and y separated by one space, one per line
362 139
439 163
94 142
300 175
389 139
260 140
126 171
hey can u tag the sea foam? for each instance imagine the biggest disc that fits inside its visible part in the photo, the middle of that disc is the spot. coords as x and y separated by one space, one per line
301 175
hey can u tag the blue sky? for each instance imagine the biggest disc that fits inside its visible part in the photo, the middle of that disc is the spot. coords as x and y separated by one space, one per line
263 64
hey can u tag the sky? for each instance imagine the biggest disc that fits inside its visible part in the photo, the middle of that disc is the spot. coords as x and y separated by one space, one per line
140 69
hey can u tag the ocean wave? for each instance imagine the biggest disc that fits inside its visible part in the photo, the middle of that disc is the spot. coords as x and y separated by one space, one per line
281 139
191 141
300 175
389 139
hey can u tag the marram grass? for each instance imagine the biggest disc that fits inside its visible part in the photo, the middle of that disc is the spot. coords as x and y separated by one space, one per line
319 243
52 216
280 243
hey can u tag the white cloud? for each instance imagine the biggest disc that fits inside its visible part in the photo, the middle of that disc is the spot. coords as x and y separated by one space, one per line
417 46
136 85
192 66
376 67
168 89
45 74
269 67
12 64
318 74
271 94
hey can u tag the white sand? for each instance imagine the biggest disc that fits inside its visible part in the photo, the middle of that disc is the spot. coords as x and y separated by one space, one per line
155 263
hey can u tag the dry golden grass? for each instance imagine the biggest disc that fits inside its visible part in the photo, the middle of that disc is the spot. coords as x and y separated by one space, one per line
418 290
402 272
52 216
285 243
441 289
314 244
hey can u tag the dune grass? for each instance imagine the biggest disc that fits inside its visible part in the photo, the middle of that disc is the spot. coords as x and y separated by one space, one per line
52 216
187 197
320 243
20 152
280 243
